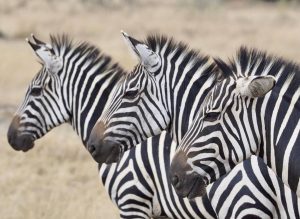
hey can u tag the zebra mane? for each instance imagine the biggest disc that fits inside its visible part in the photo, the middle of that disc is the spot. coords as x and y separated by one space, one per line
250 61
256 62
63 43
157 42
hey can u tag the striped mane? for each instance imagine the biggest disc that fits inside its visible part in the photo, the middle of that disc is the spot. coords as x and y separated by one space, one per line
63 44
168 45
257 62
158 42
250 61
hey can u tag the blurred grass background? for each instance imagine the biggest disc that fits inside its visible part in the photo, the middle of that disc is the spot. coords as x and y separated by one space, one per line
58 178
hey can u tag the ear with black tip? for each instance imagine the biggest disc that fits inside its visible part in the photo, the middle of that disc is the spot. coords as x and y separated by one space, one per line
37 41
148 58
255 86
45 52
41 43
34 46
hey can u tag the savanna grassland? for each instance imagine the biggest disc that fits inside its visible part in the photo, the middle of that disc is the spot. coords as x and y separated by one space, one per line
58 178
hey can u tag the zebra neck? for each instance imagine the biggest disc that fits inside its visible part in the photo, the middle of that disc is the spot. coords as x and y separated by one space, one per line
186 101
89 97
272 133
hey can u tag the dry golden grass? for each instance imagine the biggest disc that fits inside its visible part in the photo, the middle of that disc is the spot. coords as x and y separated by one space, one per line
55 180
58 179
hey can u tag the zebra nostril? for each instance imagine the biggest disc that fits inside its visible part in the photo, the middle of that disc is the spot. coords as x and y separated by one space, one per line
175 181
91 148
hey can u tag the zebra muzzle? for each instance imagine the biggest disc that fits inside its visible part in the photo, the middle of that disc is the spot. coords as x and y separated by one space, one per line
104 151
198 188
17 140
186 182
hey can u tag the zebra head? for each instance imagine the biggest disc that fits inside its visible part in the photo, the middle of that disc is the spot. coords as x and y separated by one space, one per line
137 110
39 111
219 138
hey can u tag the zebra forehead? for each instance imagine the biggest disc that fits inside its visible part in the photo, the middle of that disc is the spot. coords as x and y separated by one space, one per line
135 79
40 77
131 81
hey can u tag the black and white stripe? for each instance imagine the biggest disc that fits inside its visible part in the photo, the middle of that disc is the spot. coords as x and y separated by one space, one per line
251 189
164 98
175 92
86 79
254 110
139 184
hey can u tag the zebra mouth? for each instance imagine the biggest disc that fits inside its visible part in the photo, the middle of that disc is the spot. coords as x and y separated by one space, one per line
114 156
198 188
22 142
105 151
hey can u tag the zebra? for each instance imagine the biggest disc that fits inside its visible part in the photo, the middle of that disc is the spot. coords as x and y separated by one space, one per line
132 113
73 86
149 99
235 195
254 110
139 184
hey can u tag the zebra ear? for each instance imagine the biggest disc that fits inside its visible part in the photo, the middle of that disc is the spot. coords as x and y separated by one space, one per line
255 86
149 59
45 52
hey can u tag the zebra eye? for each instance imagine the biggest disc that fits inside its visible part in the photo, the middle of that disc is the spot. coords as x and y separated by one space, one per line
36 91
212 116
131 94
